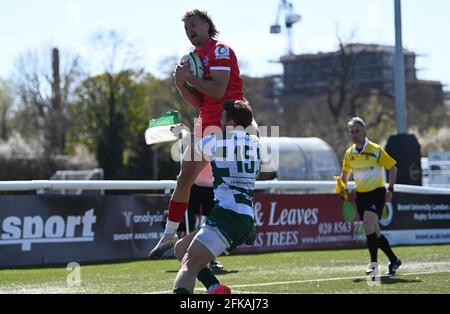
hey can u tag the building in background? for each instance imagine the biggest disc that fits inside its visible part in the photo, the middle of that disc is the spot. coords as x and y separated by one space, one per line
447 98
360 67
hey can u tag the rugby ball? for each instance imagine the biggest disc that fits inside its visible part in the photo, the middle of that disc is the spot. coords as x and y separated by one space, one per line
195 65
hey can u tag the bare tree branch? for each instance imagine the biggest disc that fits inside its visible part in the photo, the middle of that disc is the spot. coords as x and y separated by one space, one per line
44 94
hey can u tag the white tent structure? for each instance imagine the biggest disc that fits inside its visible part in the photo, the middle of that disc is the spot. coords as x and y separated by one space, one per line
297 158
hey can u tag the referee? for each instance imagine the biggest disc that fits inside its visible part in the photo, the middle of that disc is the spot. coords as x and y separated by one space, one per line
367 161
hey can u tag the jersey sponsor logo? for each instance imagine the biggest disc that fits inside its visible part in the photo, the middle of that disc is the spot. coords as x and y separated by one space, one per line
222 52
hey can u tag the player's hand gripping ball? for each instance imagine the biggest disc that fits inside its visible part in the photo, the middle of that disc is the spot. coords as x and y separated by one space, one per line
195 66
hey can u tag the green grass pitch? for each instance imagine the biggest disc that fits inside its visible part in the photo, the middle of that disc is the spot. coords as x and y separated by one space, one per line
425 269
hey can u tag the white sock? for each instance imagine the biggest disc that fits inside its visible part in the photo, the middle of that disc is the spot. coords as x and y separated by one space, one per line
171 227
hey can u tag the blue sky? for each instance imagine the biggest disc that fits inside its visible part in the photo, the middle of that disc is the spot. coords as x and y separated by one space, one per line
156 28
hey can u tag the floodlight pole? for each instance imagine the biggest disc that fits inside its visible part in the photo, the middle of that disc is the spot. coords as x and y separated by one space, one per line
400 90
403 147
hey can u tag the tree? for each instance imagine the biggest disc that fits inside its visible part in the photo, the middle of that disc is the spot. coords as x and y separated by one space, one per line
6 102
44 91
115 107
138 98
107 105
106 101
261 94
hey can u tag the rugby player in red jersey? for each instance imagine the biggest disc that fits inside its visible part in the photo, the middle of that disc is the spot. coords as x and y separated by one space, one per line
221 82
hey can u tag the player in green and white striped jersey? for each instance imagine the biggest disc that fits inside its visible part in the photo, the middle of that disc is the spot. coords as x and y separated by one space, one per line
235 160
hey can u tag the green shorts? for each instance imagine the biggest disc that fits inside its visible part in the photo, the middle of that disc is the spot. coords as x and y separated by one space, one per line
235 227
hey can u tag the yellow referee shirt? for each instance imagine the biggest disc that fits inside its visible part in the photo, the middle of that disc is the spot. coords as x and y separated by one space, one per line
367 166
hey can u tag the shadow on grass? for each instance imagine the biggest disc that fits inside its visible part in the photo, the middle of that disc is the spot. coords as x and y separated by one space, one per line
388 280
215 271
223 271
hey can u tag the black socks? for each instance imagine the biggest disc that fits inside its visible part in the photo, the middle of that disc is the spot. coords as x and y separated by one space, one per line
372 244
383 244
207 278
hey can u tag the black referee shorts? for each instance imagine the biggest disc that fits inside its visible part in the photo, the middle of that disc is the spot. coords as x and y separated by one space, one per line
372 201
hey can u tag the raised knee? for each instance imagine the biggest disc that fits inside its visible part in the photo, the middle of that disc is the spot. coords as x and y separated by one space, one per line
179 250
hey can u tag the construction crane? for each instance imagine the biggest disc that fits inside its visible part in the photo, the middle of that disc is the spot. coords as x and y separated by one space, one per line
291 18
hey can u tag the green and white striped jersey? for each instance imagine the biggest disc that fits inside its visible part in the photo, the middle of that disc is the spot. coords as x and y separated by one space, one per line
235 163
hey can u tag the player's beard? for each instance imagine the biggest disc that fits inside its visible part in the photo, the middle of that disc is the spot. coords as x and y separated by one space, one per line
198 41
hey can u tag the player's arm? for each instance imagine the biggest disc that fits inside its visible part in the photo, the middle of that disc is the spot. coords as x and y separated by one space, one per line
392 180
387 162
392 176
344 176
346 169
341 184
192 97
342 180
215 88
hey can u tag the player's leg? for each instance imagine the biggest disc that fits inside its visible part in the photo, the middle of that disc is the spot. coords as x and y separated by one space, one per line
195 259
215 242
190 169
178 204
207 202
182 245
205 276
194 206
223 231
370 222
383 244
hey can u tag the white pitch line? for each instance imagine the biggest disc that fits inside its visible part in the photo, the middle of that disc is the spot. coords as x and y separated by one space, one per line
274 283
326 279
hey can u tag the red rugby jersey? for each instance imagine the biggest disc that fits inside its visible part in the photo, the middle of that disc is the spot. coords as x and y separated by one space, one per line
216 56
